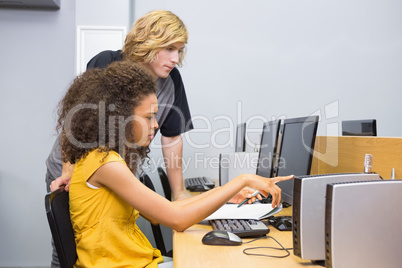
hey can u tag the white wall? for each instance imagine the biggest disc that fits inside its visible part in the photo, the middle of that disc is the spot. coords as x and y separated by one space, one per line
342 59
273 58
36 67
103 28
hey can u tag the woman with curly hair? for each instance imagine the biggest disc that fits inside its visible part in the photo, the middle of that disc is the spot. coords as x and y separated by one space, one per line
157 42
107 118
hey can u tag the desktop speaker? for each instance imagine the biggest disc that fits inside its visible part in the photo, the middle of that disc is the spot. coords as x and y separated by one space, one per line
309 211
363 224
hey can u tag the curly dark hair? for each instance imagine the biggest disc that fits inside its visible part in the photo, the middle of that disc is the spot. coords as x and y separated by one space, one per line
97 109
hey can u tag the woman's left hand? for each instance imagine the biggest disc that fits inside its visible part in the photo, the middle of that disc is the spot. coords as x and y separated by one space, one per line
246 192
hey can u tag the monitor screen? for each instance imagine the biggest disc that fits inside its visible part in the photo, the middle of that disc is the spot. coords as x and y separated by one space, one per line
267 153
296 151
240 145
367 127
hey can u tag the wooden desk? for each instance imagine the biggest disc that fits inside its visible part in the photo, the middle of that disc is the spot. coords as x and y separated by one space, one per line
189 251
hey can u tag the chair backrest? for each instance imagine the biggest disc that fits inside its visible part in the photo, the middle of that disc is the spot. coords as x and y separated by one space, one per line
165 183
156 229
58 215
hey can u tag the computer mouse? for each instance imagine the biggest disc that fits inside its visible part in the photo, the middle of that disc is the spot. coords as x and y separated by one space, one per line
221 238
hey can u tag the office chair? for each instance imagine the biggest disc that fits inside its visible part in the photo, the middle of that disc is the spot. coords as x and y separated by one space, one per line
156 229
58 215
165 183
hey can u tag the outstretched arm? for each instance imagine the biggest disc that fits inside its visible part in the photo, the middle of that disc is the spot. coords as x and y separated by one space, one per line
177 215
237 199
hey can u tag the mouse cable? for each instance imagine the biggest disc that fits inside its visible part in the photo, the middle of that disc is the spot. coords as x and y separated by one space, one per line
246 250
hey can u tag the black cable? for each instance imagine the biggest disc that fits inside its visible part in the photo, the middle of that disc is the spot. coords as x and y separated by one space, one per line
245 251
377 174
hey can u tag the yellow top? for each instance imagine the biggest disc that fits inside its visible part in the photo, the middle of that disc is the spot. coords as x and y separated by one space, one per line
105 230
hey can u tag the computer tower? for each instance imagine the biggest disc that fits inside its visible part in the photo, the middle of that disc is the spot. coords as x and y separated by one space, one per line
232 165
309 211
363 224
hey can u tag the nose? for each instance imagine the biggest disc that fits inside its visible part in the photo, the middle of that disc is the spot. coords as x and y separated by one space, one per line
155 124
175 57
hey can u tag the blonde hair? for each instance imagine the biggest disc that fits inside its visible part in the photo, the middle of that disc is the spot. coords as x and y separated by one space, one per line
152 32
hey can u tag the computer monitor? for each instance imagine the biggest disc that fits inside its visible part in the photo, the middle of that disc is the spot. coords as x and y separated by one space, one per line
296 151
268 146
240 145
366 127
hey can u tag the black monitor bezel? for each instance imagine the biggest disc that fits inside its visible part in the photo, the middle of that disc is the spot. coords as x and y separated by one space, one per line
276 123
240 129
288 197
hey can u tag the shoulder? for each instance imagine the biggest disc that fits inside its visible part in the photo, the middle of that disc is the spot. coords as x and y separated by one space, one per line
108 53
92 162
116 54
175 75
177 81
104 58
99 158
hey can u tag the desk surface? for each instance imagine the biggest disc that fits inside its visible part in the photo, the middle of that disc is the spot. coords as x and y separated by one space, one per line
190 252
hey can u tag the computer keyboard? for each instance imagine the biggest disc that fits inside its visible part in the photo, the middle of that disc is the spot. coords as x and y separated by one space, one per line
242 228
199 184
